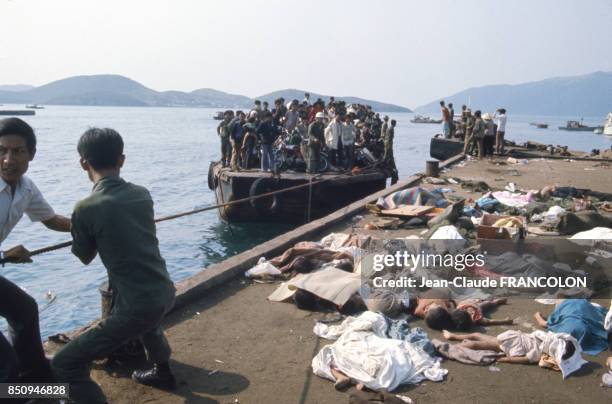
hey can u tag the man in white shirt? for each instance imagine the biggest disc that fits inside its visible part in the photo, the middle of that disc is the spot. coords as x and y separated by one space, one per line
500 121
25 360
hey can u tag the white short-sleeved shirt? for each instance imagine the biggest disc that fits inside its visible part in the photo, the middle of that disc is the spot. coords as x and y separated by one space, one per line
501 123
27 199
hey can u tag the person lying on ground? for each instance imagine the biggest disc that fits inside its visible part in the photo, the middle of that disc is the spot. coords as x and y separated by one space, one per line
559 351
580 319
470 313
22 359
435 309
116 221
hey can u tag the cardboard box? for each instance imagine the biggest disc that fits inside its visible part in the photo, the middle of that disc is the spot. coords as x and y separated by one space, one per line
486 230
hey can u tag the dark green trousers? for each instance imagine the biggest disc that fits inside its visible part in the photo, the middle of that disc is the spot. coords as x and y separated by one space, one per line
314 155
72 363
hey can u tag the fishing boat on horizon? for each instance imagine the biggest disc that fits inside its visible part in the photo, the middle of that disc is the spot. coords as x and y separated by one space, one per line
576 126
424 119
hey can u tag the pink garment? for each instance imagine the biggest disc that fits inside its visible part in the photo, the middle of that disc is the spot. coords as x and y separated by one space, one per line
515 200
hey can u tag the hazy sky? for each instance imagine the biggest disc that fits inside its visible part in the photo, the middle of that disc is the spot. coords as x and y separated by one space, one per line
406 51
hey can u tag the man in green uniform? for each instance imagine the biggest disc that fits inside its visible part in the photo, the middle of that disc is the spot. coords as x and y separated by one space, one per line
224 136
316 140
384 127
116 221
388 154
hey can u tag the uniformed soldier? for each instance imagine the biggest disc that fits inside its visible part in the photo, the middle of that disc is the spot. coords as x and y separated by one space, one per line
316 140
384 127
116 221
224 136
388 158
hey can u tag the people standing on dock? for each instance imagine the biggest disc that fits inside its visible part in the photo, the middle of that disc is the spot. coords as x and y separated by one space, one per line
333 140
489 137
266 133
348 141
236 132
445 120
23 360
116 221
500 121
223 132
477 137
388 158
451 121
316 141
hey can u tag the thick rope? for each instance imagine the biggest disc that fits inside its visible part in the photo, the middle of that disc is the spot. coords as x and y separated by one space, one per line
191 212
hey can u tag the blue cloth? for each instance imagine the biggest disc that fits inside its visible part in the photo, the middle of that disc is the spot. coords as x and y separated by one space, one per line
399 329
487 203
583 321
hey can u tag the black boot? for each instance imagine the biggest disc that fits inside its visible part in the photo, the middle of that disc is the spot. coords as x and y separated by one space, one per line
159 376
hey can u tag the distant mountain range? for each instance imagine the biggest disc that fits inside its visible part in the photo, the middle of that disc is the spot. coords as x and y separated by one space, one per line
15 87
587 95
115 90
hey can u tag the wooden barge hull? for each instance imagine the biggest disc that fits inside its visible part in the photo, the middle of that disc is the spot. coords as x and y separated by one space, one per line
337 191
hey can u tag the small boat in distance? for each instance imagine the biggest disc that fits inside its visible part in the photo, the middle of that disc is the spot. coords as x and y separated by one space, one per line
34 106
539 125
218 116
607 129
424 119
578 127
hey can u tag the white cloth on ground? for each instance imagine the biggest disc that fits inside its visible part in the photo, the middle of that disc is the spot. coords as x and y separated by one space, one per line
517 343
608 320
591 237
367 321
263 267
446 233
363 353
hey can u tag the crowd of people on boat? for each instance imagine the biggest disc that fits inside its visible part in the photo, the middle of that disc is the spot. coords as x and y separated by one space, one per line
321 135
483 134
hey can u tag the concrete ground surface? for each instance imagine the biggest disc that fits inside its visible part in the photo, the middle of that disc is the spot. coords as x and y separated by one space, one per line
234 346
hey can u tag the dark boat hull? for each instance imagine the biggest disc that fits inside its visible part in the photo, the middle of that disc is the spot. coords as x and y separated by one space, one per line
443 149
293 206
17 112
582 129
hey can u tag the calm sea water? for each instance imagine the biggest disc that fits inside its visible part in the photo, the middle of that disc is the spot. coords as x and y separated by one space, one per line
168 151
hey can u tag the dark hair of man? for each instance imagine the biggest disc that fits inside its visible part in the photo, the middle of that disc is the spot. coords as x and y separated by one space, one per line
477 114
464 107
442 103
438 318
18 127
101 147
502 110
393 122
257 102
461 320
450 104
